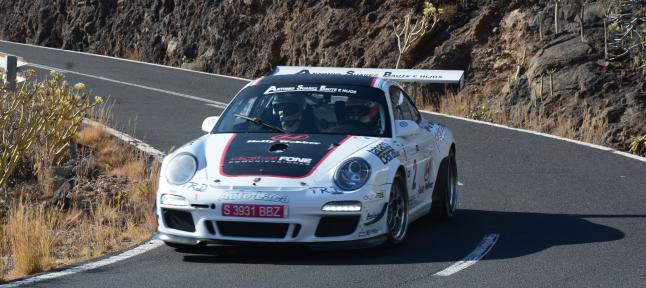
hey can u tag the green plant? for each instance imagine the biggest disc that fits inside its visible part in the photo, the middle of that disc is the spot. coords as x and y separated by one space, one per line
409 32
38 121
638 146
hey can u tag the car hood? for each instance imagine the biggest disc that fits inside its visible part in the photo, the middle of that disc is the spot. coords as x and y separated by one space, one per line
287 156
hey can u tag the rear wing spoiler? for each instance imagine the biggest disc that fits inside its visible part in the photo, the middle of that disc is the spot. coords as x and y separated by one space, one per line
453 77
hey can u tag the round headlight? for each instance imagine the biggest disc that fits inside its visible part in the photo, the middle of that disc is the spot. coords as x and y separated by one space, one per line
181 169
352 174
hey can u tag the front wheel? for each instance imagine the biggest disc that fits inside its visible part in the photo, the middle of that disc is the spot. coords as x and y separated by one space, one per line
397 213
445 193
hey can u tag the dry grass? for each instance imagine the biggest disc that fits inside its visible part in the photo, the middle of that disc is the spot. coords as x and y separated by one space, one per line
118 215
3 253
530 115
132 169
134 54
30 239
91 135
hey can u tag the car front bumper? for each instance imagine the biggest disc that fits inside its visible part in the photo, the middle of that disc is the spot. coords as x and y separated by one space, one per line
200 220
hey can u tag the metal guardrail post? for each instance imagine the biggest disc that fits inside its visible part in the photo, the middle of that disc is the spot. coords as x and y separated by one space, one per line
12 72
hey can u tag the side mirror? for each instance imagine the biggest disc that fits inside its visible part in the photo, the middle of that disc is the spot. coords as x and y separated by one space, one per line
404 128
209 123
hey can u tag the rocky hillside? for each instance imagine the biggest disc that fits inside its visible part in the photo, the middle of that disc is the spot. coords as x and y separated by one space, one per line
521 71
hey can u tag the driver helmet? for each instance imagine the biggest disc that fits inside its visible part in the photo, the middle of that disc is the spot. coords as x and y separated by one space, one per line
289 108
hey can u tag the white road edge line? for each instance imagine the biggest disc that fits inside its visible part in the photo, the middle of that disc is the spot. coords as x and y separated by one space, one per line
141 145
143 248
126 60
217 104
214 103
488 241
485 245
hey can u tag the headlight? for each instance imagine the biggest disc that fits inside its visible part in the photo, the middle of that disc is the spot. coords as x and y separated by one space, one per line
181 169
352 174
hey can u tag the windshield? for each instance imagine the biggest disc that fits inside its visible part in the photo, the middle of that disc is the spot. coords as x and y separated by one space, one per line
308 109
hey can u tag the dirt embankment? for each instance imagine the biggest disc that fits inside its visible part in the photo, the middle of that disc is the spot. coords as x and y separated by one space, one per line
562 85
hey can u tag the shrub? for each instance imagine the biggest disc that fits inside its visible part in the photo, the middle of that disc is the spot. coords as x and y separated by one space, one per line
39 121
638 146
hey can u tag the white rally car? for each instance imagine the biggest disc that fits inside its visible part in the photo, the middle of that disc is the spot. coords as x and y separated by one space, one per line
314 156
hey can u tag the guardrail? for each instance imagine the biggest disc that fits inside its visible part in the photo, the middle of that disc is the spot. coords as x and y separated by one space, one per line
11 66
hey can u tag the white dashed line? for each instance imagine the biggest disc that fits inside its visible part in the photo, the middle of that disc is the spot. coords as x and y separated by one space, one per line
483 248
143 248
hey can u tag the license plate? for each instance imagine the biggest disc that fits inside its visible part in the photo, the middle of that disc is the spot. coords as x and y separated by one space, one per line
254 211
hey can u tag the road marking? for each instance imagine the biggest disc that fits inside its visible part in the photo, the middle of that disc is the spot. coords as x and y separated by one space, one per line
141 145
483 248
143 248
595 146
212 102
603 148
460 183
213 105
126 60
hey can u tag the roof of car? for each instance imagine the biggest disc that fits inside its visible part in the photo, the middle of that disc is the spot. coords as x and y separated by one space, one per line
318 79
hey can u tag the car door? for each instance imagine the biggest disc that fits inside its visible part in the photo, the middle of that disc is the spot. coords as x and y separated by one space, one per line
426 144
416 155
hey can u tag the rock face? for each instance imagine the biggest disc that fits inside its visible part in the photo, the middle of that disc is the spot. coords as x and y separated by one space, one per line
488 38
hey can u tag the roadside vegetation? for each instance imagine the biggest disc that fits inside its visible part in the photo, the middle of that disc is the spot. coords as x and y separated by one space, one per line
68 190
525 87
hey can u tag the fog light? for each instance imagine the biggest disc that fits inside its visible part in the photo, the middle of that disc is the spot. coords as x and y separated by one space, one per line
175 200
345 206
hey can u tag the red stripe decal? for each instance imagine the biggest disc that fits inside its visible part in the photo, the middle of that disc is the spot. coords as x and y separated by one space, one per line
373 82
224 153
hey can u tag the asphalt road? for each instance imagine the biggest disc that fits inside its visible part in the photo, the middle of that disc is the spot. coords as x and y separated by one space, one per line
567 215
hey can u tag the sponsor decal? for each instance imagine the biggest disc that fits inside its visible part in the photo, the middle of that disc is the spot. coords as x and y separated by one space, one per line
286 139
253 196
299 88
373 196
295 160
252 159
378 73
384 152
198 187
248 154
437 130
403 124
270 159
367 232
283 141
427 185
325 190
290 137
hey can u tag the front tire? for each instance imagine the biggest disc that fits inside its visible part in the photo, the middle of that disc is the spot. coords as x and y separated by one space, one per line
445 193
397 213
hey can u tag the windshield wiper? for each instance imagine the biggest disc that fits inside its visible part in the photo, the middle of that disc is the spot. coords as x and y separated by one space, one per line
260 122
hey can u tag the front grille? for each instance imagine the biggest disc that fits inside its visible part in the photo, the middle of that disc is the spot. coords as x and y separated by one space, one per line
330 226
180 220
252 229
